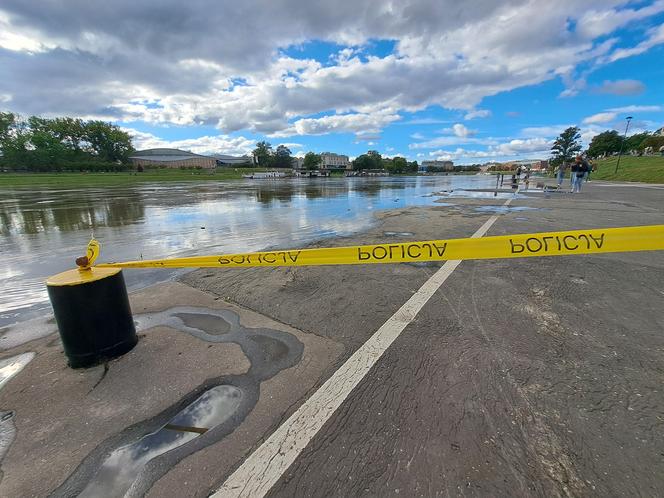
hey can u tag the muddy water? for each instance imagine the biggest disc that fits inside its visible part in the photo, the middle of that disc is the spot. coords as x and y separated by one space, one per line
42 231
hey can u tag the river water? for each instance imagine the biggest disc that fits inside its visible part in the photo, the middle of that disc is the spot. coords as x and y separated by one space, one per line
42 232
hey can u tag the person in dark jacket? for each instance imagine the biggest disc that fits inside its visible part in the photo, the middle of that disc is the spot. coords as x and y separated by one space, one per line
579 170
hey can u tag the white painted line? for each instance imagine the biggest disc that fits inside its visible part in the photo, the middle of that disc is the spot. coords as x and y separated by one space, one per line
265 466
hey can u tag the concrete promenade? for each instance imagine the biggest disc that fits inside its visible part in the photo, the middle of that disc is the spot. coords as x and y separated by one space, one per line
524 377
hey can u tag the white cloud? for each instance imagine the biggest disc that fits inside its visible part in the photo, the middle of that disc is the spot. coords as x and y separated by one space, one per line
358 123
600 117
460 130
637 108
523 148
423 121
544 131
219 144
595 22
99 64
478 113
655 36
447 141
622 87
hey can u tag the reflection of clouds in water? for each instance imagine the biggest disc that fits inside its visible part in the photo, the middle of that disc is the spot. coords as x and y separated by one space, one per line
121 468
159 221
212 408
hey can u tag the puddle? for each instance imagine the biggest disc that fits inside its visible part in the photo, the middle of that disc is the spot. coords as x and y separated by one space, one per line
210 323
131 461
7 433
503 209
11 366
483 194
521 218
398 234
120 469
8 368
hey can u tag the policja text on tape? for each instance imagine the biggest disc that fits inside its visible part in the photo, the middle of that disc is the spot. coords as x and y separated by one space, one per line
603 240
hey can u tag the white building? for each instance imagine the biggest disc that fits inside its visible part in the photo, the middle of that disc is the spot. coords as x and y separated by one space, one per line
444 165
330 160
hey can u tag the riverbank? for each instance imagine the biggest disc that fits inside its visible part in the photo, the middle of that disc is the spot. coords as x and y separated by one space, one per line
122 178
648 169
519 377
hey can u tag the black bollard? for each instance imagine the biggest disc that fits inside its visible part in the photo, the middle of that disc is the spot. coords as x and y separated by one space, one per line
92 311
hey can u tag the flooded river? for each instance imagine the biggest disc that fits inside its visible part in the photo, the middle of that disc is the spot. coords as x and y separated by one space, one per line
42 232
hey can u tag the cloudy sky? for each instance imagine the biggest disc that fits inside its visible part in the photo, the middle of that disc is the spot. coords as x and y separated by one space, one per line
472 81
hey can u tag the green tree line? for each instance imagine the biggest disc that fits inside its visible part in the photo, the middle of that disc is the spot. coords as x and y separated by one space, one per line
266 157
62 144
607 143
373 160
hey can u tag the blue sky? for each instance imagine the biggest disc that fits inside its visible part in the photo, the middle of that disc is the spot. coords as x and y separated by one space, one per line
472 82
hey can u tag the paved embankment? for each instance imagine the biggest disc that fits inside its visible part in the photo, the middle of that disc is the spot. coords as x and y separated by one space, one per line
524 377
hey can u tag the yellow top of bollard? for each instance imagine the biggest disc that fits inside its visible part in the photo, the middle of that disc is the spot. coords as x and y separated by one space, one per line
81 276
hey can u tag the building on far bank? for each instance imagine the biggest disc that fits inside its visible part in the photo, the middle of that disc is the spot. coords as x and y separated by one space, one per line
225 160
297 162
331 161
171 158
438 165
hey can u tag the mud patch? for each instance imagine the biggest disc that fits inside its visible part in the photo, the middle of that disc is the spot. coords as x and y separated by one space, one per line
129 463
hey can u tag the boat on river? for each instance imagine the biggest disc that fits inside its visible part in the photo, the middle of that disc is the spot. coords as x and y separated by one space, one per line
265 174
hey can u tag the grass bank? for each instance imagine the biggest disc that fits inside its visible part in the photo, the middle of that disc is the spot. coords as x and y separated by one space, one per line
632 169
123 178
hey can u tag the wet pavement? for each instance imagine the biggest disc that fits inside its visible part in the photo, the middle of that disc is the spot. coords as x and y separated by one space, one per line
534 377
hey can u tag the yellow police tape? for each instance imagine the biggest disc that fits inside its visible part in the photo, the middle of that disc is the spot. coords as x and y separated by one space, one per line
601 240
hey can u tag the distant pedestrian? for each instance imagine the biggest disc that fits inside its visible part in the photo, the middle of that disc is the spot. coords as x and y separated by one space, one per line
591 168
561 173
515 183
579 169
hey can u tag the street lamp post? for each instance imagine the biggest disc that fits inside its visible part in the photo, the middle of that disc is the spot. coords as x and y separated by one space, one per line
622 144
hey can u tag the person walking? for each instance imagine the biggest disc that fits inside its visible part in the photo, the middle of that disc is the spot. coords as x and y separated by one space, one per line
561 173
586 177
579 170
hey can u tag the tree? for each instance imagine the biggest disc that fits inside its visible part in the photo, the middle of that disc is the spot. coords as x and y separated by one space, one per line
604 144
311 161
566 146
107 142
635 141
15 143
263 154
396 165
654 141
371 160
44 144
282 157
